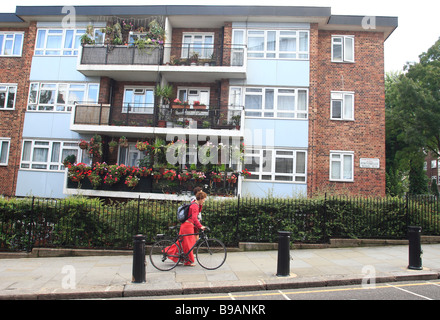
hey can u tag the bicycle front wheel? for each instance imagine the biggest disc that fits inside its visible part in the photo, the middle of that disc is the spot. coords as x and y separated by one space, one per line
211 253
165 255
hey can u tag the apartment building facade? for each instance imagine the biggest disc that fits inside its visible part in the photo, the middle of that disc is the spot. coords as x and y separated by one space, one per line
292 95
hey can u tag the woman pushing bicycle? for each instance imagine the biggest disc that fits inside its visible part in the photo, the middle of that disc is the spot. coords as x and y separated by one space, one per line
189 226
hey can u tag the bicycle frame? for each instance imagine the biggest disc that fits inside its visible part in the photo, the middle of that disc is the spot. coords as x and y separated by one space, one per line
179 239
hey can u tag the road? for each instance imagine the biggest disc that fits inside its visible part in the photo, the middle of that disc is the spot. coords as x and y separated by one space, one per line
415 290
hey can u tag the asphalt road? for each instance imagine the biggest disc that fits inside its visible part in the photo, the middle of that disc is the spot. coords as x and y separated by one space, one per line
416 290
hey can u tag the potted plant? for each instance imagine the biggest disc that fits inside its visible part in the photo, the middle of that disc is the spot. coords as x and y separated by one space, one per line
232 179
142 146
94 178
70 159
132 181
199 106
112 145
216 176
84 145
177 104
237 121
95 146
123 142
165 93
169 174
194 58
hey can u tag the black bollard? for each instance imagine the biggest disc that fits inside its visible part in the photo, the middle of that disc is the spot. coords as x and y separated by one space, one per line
415 249
138 259
283 268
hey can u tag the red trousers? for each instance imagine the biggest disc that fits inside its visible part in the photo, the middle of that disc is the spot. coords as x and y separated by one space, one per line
187 243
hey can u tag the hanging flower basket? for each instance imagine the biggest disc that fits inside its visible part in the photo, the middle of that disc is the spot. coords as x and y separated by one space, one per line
84 145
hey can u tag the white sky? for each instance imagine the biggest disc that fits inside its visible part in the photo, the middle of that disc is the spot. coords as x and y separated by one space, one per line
419 22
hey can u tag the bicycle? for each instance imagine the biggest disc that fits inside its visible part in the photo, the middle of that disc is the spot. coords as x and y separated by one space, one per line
210 253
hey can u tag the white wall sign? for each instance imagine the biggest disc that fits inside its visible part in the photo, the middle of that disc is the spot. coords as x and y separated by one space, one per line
372 163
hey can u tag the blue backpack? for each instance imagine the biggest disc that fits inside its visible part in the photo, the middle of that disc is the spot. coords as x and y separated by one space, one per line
182 212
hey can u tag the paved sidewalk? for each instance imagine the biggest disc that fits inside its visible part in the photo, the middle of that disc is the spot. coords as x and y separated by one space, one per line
111 276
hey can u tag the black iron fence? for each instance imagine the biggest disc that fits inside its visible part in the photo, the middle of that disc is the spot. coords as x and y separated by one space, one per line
80 222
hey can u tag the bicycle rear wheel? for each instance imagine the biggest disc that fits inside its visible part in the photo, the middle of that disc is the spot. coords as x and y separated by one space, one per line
211 254
165 255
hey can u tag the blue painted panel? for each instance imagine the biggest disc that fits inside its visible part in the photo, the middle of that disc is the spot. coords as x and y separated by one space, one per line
287 73
57 69
272 189
276 132
48 125
40 184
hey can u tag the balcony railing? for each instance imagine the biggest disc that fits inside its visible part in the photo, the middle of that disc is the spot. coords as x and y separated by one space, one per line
121 55
176 54
205 55
174 116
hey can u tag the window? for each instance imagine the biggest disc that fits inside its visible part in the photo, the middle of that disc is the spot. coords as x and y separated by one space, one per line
200 43
58 42
61 97
4 151
433 164
343 48
11 44
341 166
138 100
47 155
276 165
194 94
278 44
7 96
342 106
130 156
273 102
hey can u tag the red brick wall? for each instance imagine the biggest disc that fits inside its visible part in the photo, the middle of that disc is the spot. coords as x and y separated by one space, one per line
15 70
366 134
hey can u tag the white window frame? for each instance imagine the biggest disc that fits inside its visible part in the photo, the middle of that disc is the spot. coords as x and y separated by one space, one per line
147 108
267 112
36 106
4 159
130 156
339 156
205 50
13 37
53 162
346 109
63 50
274 51
194 94
266 165
342 41
6 88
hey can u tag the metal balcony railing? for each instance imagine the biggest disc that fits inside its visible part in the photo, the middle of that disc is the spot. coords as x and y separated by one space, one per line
173 116
176 54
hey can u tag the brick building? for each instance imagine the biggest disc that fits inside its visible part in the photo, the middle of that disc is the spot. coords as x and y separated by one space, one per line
302 88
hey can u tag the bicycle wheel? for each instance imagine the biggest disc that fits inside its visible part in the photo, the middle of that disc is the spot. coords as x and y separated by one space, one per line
165 255
211 253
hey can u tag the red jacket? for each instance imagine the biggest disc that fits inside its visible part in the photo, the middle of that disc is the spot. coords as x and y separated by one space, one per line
192 215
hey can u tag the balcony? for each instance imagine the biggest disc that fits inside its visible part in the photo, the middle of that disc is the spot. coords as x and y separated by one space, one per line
153 187
143 119
178 63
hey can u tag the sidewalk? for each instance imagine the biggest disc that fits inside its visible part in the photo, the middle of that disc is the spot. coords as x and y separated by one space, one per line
111 276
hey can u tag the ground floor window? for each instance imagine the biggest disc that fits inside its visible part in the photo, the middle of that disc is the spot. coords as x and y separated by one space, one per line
4 151
47 155
281 165
341 165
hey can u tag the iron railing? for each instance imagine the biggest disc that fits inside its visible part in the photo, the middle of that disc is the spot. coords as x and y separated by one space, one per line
175 54
91 223
146 115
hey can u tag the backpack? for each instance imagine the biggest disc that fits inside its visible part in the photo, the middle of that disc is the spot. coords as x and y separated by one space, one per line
182 212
